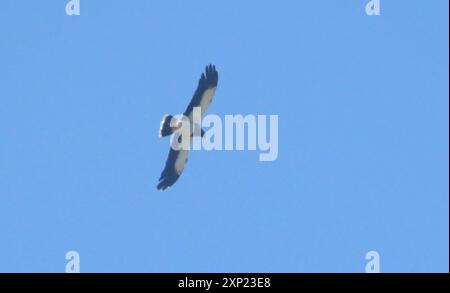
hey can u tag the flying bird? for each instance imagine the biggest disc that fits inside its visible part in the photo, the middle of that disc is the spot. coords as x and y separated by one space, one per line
202 98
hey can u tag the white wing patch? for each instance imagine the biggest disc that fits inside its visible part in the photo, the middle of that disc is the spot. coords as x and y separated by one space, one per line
207 98
204 102
181 160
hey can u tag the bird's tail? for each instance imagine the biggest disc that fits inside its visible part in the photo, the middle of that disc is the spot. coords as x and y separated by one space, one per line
165 129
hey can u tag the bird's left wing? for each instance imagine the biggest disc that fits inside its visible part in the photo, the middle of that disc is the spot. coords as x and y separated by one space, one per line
205 91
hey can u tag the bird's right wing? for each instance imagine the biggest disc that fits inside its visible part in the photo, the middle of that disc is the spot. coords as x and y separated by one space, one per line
176 161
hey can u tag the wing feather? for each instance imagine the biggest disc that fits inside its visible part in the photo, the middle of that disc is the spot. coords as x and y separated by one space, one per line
205 91
175 163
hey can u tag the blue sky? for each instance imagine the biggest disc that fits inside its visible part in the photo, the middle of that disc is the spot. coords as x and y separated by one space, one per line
363 136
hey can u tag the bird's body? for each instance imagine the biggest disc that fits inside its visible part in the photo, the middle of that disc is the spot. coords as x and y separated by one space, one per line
202 98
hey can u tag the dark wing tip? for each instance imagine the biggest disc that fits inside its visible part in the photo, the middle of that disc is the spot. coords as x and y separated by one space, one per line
166 181
212 76
162 185
168 176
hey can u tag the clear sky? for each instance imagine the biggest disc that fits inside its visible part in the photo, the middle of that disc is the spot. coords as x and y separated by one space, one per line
363 136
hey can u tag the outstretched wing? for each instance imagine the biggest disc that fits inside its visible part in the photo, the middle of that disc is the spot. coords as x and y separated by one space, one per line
205 91
174 167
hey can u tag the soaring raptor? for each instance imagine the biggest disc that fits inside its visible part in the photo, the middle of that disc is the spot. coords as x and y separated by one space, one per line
202 98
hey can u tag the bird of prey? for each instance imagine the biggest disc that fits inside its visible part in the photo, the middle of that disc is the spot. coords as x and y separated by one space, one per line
202 98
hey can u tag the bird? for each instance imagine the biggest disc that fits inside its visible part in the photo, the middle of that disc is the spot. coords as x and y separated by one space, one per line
177 159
